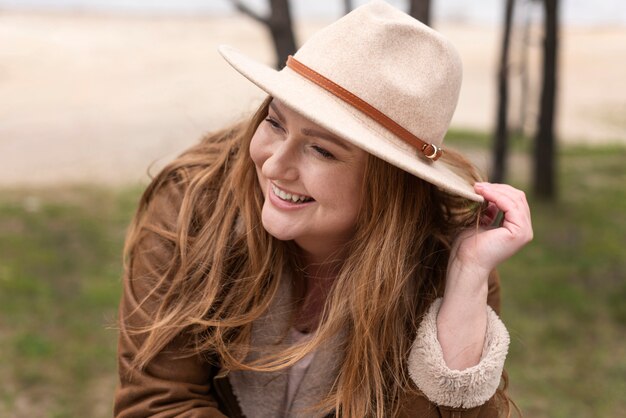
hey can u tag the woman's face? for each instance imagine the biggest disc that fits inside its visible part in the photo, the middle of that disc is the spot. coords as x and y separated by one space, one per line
311 181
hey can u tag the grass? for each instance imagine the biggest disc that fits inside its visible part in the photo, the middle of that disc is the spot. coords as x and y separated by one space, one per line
564 294
59 285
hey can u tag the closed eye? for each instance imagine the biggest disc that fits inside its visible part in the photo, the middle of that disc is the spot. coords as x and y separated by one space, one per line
321 151
273 122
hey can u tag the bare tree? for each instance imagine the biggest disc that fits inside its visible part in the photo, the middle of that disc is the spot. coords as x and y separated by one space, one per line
544 181
524 77
501 135
279 25
420 9
347 6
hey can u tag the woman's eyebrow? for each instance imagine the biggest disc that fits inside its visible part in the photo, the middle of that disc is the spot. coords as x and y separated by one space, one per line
327 137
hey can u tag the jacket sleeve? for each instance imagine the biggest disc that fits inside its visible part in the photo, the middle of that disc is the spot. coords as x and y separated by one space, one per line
465 393
169 386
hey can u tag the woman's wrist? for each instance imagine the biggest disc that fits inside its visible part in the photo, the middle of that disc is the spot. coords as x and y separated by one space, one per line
467 280
462 318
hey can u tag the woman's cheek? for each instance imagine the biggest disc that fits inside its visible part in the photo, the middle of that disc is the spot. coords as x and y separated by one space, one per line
258 149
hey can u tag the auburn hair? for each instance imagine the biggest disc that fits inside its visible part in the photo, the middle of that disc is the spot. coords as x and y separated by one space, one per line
224 269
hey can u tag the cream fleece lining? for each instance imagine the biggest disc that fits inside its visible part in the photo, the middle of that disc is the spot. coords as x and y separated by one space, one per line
264 395
457 388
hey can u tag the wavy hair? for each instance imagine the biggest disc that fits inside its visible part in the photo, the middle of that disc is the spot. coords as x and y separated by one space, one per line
218 280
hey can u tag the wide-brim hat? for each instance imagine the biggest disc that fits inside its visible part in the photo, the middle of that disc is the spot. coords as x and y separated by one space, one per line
379 79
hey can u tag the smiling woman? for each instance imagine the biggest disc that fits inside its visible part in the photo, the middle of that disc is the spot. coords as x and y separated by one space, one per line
326 256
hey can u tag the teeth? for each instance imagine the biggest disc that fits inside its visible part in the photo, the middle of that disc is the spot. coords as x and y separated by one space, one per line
295 198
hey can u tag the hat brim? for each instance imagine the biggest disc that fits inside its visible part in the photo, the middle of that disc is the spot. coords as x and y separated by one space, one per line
338 117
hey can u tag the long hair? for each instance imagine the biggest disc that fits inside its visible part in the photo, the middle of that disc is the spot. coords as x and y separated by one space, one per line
224 269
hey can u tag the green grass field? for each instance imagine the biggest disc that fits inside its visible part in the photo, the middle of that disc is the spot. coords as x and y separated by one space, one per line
564 296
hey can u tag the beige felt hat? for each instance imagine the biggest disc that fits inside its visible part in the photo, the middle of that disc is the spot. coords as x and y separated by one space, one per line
379 79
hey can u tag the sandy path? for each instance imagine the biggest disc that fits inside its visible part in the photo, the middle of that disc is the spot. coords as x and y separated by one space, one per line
95 98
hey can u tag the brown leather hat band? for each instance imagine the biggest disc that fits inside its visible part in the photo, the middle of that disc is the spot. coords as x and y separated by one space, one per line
429 151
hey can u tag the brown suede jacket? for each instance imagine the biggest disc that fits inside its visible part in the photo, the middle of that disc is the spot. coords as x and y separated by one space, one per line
190 387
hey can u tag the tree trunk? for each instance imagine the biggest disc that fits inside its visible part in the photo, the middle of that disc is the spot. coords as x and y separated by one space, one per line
420 9
524 83
501 135
282 31
279 25
347 6
544 182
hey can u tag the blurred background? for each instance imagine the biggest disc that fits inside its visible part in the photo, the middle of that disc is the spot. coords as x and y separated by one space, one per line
96 95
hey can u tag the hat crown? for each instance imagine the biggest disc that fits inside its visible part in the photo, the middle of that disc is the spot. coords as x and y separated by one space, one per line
395 63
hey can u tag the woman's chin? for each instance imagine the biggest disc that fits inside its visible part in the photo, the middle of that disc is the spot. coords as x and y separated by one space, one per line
280 232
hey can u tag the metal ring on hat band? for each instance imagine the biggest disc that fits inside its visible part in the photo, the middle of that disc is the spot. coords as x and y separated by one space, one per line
366 108
436 153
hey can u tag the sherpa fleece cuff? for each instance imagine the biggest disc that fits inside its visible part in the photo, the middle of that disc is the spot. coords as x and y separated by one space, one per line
457 388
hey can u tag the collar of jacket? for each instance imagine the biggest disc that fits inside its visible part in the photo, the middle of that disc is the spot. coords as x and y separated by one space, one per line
264 395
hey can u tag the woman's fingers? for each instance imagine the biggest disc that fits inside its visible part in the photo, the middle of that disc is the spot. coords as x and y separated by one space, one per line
477 251
486 247
512 202
505 197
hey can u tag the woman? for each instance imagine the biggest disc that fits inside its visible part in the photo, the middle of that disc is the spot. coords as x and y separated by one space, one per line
326 257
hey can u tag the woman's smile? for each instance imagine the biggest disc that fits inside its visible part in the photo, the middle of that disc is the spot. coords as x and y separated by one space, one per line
290 197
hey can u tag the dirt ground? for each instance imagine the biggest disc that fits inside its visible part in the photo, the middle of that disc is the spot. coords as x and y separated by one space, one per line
86 98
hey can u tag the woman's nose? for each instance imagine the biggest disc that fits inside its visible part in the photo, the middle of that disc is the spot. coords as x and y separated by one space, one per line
281 163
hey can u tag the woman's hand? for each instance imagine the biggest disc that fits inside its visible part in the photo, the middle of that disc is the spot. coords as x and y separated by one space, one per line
462 318
482 250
